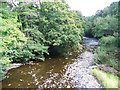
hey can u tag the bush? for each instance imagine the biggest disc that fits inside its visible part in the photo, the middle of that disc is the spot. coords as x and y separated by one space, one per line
109 41
106 52
4 62
11 38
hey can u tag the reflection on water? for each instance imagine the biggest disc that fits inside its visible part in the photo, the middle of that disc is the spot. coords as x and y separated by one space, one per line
52 73
40 74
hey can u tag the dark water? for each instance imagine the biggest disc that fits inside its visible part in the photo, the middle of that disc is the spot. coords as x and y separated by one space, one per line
52 73
37 74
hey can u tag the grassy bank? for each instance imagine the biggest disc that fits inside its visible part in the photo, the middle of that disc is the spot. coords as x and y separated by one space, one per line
107 80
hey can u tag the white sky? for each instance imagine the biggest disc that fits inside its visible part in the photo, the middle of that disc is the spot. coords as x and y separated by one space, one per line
89 7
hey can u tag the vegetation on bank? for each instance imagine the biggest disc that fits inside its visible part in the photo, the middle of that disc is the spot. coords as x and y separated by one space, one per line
31 31
11 38
108 80
104 26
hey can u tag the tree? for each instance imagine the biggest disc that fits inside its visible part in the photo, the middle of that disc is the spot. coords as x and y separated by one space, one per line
89 24
61 27
12 39
105 26
28 15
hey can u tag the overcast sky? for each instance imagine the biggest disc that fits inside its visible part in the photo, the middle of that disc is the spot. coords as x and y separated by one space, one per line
89 7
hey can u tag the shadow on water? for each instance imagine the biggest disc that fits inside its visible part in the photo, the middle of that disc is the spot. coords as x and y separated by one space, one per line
37 74
52 73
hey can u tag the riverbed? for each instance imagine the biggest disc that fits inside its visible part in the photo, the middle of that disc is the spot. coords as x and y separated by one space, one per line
58 72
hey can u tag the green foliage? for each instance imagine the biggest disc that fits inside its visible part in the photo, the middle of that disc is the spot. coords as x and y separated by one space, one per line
53 26
104 23
35 47
29 32
106 52
11 38
89 23
105 26
109 41
61 27
82 18
28 16
108 80
5 12
111 10
4 62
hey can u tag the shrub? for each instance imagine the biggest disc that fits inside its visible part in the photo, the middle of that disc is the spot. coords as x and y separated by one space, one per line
109 41
11 38
106 52
4 62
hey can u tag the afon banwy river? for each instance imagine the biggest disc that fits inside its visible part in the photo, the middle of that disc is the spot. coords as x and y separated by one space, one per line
72 72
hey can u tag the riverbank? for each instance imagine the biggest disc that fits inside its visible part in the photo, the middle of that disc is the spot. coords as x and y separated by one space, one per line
107 79
13 65
72 72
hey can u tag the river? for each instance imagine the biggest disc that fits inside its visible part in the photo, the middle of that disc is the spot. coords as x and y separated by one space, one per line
72 72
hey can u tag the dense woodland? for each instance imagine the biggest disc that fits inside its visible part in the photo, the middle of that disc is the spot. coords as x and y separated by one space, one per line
32 31
104 25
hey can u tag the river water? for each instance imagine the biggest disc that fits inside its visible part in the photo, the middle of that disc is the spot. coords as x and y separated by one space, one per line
72 72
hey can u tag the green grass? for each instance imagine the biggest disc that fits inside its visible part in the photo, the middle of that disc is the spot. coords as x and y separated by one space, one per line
107 80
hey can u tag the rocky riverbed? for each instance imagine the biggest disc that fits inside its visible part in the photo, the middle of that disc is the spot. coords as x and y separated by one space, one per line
72 72
78 72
